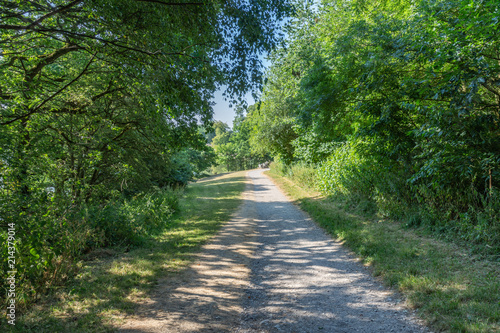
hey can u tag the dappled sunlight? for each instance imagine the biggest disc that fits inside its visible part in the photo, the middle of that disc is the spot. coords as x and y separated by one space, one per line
228 181
141 269
111 285
304 280
269 269
207 296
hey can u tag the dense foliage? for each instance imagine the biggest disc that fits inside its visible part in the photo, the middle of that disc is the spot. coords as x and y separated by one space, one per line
395 102
232 146
100 105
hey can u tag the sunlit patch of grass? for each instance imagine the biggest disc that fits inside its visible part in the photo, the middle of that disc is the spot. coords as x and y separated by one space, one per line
451 290
110 284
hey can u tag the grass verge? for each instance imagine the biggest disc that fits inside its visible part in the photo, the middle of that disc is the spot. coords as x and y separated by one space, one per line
451 290
112 280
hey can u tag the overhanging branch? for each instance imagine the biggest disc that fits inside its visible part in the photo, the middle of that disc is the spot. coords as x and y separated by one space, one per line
34 110
173 3
58 10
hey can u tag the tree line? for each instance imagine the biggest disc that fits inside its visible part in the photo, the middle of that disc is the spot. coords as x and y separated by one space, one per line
392 102
100 108
232 146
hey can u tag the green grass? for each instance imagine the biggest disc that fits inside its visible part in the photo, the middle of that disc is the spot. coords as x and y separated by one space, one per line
111 281
452 290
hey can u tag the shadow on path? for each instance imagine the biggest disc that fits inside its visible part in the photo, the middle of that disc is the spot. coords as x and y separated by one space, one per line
303 281
207 296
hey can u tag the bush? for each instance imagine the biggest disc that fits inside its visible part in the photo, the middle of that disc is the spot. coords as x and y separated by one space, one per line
303 174
355 176
48 242
127 221
477 225
217 169
347 173
279 168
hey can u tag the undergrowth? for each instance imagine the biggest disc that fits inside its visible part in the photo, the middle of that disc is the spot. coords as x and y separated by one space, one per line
133 244
48 246
375 188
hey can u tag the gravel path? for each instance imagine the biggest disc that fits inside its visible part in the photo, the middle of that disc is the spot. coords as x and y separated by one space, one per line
271 269
303 281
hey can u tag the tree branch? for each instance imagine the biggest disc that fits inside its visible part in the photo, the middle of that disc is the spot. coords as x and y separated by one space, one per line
49 59
66 86
37 22
490 89
107 92
34 110
173 3
59 10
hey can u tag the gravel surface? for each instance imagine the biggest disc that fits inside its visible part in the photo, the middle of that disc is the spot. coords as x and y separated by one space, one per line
271 269
303 281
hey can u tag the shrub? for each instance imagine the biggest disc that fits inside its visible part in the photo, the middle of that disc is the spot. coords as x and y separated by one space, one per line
127 221
279 167
48 242
354 175
347 173
304 174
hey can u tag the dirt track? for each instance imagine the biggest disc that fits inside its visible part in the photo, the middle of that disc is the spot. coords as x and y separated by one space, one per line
271 269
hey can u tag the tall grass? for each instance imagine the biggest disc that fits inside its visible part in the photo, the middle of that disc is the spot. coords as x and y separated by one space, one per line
301 172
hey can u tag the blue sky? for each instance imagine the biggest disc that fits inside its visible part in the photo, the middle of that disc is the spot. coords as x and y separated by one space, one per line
223 112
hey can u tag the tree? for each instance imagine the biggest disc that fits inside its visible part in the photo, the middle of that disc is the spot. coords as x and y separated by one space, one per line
233 147
85 62
104 97
408 87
